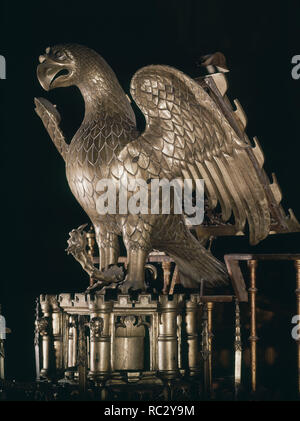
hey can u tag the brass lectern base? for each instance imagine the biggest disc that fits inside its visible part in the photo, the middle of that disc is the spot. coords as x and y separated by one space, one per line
88 340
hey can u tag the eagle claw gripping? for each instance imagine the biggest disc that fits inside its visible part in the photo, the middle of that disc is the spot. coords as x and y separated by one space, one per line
77 246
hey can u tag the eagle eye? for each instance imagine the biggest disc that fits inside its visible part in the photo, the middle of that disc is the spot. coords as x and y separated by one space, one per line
60 55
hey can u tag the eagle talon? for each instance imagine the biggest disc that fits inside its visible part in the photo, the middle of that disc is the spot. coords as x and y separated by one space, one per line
95 287
131 285
77 244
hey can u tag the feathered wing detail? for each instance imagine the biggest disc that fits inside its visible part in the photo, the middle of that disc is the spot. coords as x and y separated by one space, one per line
187 134
51 119
195 263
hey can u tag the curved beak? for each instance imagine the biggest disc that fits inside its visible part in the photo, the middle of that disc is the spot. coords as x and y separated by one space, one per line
47 72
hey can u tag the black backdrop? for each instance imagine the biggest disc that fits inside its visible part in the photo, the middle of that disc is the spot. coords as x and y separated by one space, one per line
37 208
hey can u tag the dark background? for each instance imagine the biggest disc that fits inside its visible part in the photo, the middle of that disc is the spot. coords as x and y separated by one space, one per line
38 210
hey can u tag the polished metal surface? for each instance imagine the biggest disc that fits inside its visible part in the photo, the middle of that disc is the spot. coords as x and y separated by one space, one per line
237 350
191 132
129 337
253 336
116 341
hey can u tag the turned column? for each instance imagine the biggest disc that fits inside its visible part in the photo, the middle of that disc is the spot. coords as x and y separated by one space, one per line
207 347
192 332
44 328
90 236
100 337
57 334
72 342
167 335
210 307
253 337
237 349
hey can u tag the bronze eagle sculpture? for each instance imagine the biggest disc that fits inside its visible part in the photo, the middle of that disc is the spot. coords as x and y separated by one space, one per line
187 135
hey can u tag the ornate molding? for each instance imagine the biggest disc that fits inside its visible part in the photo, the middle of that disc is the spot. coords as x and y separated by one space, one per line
96 328
43 326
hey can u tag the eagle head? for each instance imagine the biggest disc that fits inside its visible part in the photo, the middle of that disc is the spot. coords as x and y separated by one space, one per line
67 65
57 68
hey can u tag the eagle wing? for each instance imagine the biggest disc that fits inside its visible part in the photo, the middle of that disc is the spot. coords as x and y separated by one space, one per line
188 136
